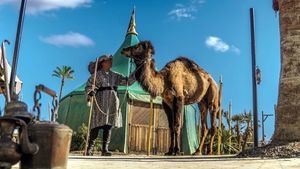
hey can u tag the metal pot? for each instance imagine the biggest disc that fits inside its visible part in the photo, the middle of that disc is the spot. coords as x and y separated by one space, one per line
54 141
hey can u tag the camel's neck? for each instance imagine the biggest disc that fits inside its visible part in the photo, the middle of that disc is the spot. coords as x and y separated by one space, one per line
150 80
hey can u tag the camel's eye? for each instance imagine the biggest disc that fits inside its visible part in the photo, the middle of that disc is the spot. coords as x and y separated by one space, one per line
144 46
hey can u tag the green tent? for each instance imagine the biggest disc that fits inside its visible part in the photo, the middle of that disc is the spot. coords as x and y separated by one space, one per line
135 108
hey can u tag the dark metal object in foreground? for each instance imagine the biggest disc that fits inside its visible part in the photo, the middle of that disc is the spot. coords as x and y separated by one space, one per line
16 117
17 46
37 97
254 84
53 139
54 142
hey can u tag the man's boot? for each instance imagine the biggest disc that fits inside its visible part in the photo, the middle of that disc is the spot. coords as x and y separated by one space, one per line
90 148
92 140
105 143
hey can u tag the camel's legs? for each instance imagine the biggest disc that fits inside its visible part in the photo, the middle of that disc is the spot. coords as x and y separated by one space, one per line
203 113
178 105
213 115
170 117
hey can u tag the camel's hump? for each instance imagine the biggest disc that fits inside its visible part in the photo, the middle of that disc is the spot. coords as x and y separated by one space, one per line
188 63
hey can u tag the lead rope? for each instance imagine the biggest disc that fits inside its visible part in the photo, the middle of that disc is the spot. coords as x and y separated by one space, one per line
126 91
125 94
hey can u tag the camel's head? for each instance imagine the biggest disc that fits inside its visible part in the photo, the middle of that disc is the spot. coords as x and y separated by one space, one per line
141 51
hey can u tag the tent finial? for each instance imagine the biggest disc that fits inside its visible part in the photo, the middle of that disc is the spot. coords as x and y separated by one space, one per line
132 25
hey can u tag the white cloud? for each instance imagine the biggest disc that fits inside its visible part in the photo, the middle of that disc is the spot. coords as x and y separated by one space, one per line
220 46
72 39
40 6
235 49
185 11
217 44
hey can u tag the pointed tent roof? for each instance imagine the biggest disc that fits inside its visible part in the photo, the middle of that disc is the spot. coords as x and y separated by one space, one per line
123 65
2 79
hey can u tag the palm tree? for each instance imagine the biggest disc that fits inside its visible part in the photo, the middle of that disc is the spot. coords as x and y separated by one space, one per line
65 72
238 120
247 119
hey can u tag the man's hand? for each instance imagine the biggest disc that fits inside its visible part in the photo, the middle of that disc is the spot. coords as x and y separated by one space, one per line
92 93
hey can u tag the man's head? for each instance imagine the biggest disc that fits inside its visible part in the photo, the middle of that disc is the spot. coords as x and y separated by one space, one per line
104 63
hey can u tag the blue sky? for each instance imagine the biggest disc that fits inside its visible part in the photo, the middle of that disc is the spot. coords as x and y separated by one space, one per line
213 33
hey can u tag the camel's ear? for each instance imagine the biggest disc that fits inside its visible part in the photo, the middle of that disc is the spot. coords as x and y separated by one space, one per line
150 46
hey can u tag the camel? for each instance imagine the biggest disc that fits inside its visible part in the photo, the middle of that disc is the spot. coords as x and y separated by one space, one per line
180 82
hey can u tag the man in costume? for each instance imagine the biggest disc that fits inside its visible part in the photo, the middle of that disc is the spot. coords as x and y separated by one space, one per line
106 113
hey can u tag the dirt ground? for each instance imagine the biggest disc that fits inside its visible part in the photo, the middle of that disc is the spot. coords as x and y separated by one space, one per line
182 162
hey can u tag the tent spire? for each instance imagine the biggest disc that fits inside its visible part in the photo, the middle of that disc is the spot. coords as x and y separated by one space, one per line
132 25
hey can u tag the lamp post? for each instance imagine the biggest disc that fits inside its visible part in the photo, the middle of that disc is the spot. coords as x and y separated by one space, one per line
263 119
254 80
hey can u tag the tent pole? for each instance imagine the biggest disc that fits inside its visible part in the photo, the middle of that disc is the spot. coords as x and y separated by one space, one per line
129 114
150 126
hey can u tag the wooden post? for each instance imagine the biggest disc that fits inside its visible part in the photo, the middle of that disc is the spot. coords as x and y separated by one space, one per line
154 131
229 125
91 110
220 118
129 135
150 127
199 127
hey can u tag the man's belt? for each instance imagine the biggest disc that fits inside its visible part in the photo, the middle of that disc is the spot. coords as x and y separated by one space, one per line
107 88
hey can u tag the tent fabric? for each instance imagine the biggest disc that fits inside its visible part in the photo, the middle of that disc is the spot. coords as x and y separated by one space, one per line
189 130
73 110
19 83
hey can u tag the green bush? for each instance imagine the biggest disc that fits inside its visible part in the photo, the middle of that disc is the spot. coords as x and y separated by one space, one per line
79 139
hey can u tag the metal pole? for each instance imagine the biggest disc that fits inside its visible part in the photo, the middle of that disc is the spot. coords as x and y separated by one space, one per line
254 85
17 47
264 118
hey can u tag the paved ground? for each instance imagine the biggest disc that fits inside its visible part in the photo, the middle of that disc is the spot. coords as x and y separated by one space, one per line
184 162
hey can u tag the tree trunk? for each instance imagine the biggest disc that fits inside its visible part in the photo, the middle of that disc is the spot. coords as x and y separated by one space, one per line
287 122
246 136
238 132
61 88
